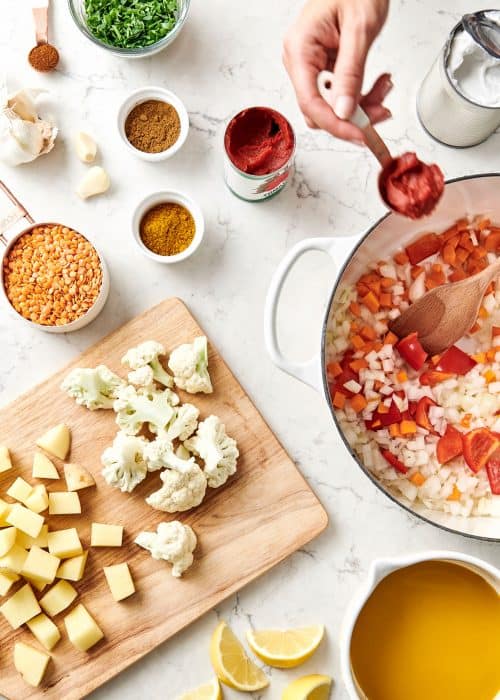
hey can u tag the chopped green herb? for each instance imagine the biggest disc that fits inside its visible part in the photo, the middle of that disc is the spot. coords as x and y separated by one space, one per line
131 24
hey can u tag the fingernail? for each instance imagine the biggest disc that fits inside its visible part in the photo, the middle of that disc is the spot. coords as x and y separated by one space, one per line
344 106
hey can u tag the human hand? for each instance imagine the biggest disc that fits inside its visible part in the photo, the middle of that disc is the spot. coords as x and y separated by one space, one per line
336 35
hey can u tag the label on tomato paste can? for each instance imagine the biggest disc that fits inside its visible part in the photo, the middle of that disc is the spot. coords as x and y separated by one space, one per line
259 145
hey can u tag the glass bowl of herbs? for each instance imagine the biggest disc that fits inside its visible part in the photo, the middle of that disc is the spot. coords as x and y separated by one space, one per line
130 28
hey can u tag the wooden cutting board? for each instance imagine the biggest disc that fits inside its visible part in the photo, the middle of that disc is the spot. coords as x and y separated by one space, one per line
263 514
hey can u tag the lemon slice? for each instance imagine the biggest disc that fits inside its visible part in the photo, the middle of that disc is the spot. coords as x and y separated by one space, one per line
314 687
286 648
208 691
231 664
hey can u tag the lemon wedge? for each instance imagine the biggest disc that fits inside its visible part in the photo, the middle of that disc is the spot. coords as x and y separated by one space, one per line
286 648
314 687
207 691
231 664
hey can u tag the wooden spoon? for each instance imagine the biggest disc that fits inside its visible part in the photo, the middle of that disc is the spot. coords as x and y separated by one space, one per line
446 313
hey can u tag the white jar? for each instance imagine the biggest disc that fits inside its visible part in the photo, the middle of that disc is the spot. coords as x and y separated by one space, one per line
447 114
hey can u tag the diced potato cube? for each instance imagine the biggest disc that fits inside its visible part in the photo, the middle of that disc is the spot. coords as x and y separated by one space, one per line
7 540
7 579
38 500
64 543
20 490
77 477
72 569
64 503
102 535
14 560
83 631
119 581
20 607
35 582
5 509
40 565
44 630
25 520
31 663
5 462
43 468
58 598
56 441
24 540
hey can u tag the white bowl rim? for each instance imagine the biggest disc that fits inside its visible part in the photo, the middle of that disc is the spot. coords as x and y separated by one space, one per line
78 323
177 197
143 94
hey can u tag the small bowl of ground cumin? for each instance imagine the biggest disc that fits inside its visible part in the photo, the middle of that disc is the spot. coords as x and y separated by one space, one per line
153 123
168 226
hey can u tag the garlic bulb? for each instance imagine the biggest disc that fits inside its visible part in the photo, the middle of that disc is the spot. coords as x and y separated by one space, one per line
95 181
24 135
85 147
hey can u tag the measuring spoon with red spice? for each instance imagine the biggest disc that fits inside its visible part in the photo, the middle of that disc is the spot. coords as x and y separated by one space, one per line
43 57
408 186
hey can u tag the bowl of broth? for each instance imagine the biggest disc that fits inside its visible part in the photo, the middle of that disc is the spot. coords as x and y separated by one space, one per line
425 626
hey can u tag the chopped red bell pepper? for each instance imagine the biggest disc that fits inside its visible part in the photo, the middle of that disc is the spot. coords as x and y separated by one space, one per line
394 461
479 445
423 248
493 471
411 351
456 361
346 376
433 377
383 420
449 445
422 414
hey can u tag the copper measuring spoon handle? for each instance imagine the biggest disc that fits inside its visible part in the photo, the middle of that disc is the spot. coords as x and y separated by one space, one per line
41 19
18 212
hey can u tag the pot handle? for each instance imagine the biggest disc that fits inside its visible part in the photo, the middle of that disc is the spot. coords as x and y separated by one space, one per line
309 372
18 212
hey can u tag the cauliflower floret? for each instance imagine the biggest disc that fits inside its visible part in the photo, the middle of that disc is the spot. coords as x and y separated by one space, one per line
146 355
189 363
216 448
124 465
184 422
134 407
181 490
144 376
93 388
173 542
160 454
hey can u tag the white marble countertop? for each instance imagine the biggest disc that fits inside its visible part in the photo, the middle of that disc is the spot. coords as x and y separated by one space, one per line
228 57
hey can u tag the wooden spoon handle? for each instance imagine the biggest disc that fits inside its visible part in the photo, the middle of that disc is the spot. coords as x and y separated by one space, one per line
490 272
41 18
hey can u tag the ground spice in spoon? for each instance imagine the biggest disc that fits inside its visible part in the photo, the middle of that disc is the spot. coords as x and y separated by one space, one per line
44 57
167 229
153 126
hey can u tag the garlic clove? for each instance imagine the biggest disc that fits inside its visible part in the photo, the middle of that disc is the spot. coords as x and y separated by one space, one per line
22 103
85 147
95 181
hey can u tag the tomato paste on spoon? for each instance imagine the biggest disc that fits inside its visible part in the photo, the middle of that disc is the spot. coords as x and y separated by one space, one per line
410 187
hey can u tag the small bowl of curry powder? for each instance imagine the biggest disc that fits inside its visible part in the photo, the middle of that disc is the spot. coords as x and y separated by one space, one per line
168 226
153 123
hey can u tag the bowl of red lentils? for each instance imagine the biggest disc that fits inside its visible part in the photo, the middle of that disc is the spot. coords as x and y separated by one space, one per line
53 278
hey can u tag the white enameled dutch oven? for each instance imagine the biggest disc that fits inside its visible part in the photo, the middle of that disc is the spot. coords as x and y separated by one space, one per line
477 194
379 569
16 214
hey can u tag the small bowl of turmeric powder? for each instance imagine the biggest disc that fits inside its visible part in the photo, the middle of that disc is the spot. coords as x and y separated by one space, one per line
168 226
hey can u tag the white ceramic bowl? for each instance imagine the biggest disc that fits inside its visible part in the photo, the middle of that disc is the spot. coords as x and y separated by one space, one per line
79 323
381 568
163 197
153 93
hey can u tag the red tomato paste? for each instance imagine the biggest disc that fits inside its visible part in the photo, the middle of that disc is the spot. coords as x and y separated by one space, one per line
410 187
259 140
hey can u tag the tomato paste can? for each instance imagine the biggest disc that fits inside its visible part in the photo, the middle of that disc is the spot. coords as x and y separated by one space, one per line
259 149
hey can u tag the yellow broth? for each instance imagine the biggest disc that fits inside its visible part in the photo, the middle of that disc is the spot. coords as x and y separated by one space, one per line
431 630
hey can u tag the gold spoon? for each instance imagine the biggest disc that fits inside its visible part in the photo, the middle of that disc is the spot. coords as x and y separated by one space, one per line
446 313
43 57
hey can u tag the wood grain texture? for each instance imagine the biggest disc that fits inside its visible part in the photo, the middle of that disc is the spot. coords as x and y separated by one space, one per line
263 514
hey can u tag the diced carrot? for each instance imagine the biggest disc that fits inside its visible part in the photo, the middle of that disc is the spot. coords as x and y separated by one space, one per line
387 282
449 233
423 248
355 308
479 357
492 242
408 427
401 258
394 430
475 328
378 384
435 359
339 400
354 327
376 423
475 265
482 312
454 241
374 286
457 275
449 255
430 283
358 403
358 365
465 241
362 289
466 420
357 341
368 333
377 346
417 478
455 494
481 224
490 354
462 223
371 302
402 376
437 274
416 271
462 254
386 300
382 408
333 369
391 338
478 252
490 376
